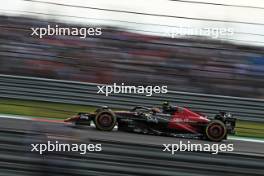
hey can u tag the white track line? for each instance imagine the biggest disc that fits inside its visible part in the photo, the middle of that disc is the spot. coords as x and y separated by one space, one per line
245 139
15 117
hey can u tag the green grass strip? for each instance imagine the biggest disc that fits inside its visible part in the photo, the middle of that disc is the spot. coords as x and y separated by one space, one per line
41 109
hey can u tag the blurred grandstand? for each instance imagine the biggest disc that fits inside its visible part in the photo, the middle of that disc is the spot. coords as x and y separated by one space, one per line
184 64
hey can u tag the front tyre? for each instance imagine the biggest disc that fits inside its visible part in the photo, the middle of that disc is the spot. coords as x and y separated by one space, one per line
105 120
216 131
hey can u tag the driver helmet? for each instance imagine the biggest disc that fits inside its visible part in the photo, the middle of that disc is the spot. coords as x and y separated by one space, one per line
165 105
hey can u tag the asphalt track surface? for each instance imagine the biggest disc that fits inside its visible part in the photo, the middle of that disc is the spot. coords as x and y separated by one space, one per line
123 153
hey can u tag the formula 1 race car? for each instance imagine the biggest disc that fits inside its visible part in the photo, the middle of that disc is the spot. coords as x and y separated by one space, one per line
168 120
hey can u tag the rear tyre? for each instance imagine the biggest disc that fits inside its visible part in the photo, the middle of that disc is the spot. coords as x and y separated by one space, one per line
216 131
105 120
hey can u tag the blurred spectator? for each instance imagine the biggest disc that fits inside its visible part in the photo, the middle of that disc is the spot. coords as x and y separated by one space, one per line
194 65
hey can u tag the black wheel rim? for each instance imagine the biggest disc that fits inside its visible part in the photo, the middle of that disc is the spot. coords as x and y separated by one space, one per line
216 131
105 120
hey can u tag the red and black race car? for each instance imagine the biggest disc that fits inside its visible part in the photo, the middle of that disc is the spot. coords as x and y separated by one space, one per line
168 120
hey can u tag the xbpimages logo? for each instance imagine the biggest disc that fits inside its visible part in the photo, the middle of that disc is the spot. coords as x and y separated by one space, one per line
123 89
60 31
